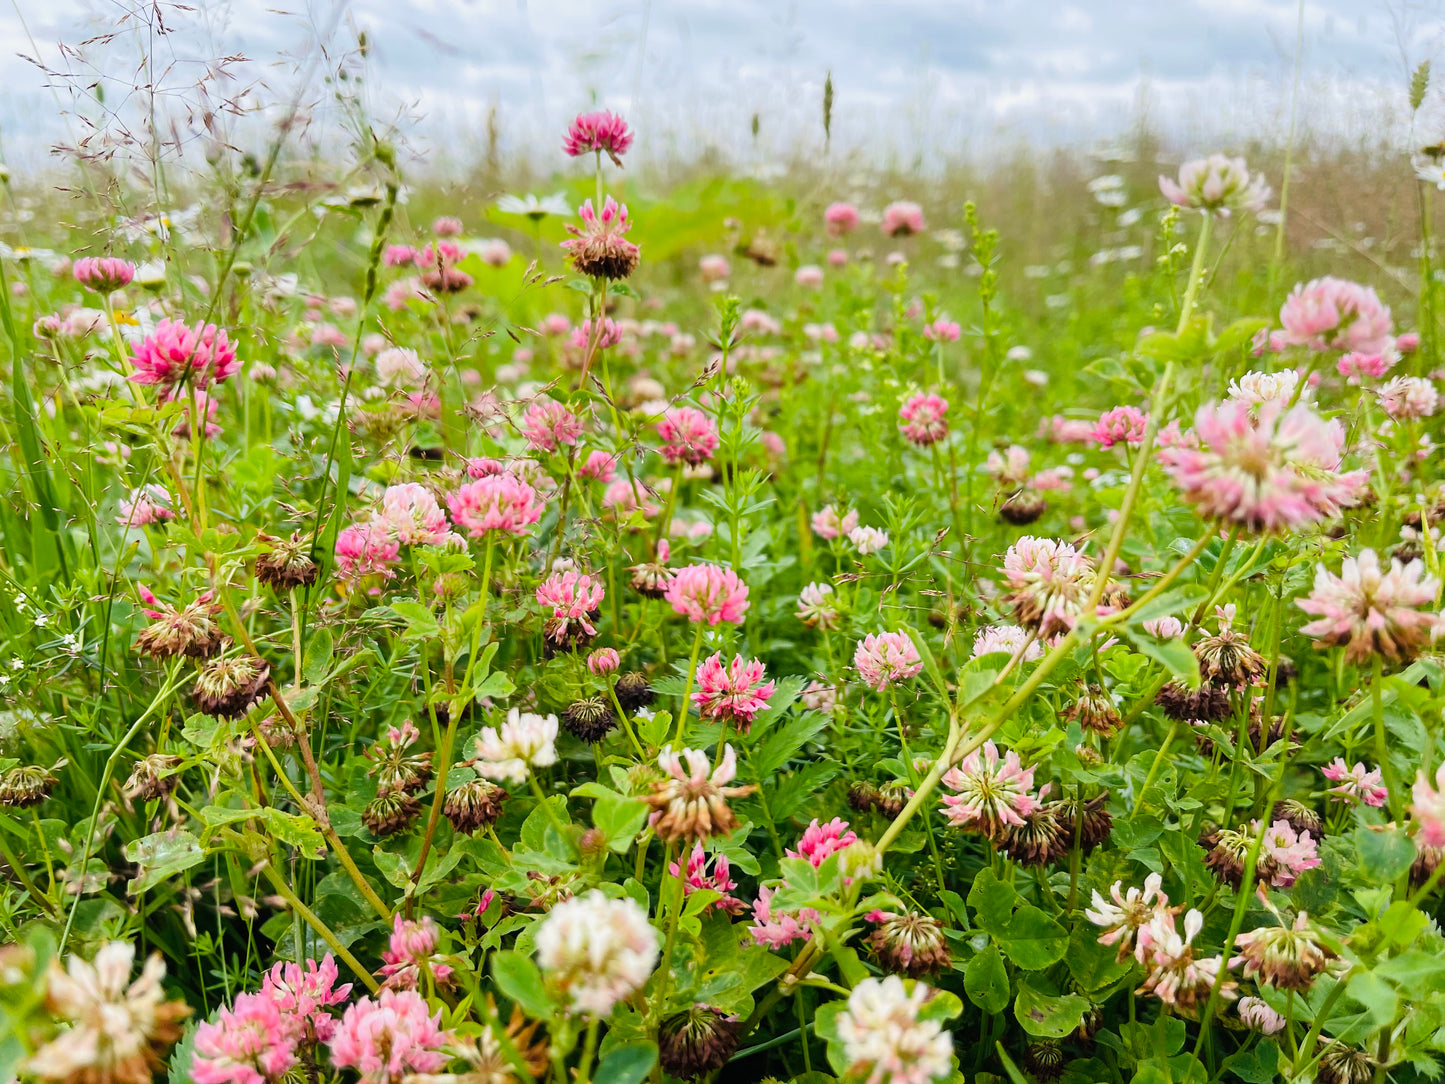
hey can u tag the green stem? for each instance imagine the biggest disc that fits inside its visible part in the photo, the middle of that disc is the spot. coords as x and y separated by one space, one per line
1382 745
687 686
323 931
546 805
171 685
1307 1048
31 889
659 1003
1156 414
454 714
1158 763
589 1050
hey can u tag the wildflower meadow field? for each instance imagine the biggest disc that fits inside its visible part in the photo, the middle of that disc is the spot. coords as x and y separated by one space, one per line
631 628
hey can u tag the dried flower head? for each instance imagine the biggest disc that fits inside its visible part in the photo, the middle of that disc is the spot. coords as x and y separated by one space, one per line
697 1041
192 631
1088 820
1040 838
1095 712
389 813
474 805
1226 660
633 691
691 803
1206 704
153 777
288 564
909 943
590 719
1341 1064
230 687
27 785
1286 957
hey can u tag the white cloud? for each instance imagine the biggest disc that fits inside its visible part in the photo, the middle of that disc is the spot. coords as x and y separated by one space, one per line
911 75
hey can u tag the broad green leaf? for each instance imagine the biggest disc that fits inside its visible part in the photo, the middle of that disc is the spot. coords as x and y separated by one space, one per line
394 867
318 657
1259 1065
160 856
1049 1016
1174 655
619 819
985 980
628 1064
521 981
1384 855
1032 939
1093 966
992 901
421 623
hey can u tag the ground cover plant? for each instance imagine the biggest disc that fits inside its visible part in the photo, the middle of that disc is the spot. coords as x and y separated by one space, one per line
708 635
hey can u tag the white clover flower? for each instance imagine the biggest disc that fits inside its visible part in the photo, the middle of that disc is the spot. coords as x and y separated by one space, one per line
1005 639
525 741
883 1039
399 366
1259 387
596 951
119 1029
1217 184
868 539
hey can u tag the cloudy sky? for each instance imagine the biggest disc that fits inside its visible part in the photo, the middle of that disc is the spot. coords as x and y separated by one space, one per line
913 77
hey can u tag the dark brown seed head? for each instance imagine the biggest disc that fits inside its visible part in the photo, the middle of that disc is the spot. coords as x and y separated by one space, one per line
909 944
697 1041
633 691
288 564
474 805
387 814
229 688
1023 508
25 786
589 719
